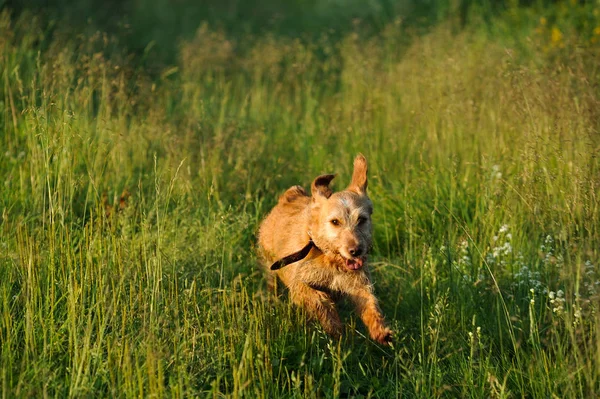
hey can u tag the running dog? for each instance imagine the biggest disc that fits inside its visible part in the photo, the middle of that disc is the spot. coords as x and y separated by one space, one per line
317 246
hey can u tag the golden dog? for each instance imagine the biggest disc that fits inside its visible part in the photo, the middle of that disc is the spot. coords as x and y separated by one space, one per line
317 246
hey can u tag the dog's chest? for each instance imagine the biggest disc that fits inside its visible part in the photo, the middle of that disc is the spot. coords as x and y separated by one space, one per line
329 279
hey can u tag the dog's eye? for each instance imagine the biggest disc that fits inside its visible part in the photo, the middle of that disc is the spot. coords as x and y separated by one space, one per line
335 222
361 220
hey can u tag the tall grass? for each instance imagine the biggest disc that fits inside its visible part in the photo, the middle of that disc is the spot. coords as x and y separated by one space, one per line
483 151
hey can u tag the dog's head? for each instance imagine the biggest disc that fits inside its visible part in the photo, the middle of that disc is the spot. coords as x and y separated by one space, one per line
340 222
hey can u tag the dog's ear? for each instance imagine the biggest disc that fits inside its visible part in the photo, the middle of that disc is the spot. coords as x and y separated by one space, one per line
359 176
320 186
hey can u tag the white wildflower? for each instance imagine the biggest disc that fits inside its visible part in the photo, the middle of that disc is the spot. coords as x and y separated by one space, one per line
496 173
507 248
557 302
577 315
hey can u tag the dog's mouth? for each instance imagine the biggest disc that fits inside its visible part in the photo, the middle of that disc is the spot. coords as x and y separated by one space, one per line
354 263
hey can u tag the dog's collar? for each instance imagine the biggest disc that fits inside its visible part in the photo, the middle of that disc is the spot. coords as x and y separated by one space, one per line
295 257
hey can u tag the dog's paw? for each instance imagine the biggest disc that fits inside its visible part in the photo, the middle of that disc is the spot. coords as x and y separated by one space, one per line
383 336
333 327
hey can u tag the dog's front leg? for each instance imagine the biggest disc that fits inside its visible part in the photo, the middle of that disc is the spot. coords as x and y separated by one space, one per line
320 305
368 310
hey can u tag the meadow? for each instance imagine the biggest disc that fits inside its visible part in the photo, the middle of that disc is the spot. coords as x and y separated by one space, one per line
131 193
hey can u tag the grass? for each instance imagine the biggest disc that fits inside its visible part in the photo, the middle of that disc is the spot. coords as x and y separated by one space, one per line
483 147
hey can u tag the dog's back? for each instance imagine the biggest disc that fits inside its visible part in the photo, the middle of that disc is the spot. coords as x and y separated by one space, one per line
284 230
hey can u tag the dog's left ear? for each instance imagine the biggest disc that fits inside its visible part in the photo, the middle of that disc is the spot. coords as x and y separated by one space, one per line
359 176
320 186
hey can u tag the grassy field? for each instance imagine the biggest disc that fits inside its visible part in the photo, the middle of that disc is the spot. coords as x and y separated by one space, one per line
130 200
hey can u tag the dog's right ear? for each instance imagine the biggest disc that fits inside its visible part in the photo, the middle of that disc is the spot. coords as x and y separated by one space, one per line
320 187
359 175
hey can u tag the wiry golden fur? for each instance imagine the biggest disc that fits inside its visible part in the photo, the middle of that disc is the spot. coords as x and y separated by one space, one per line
340 227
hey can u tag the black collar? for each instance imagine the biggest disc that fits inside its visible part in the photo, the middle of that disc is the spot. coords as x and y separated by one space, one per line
295 257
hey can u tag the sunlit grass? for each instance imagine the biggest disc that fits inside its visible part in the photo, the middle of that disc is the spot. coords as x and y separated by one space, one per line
484 176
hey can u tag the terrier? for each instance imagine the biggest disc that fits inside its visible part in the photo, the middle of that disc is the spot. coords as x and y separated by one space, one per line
317 246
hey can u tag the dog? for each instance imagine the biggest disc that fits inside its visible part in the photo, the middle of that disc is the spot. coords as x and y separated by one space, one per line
317 246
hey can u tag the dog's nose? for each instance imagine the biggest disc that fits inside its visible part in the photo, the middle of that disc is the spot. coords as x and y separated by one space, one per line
354 251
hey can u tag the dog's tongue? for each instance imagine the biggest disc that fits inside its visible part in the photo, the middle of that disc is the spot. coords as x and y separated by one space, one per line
354 264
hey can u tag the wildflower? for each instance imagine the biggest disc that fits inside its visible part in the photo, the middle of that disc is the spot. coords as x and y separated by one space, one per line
543 21
589 268
559 260
504 228
577 316
465 259
556 36
463 262
526 277
496 172
557 301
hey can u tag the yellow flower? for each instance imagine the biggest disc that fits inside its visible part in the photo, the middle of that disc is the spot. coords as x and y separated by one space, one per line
543 21
597 31
557 35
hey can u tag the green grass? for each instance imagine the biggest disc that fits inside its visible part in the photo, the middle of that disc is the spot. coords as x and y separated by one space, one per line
484 172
